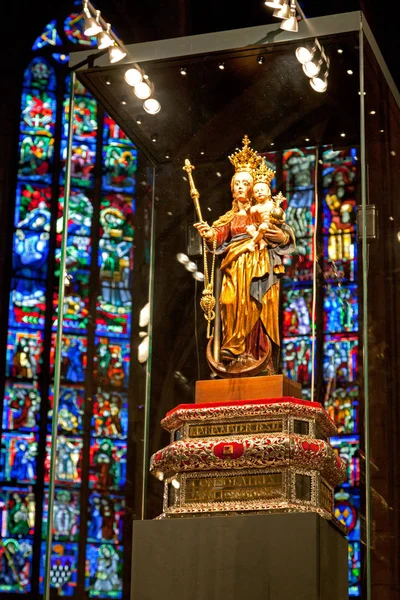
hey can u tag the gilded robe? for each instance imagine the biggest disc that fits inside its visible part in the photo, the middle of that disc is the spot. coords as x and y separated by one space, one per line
250 289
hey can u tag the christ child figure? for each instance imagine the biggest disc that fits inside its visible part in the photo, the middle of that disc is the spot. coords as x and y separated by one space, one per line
266 213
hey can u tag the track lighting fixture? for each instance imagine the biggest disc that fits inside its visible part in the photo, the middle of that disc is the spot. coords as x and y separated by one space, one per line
283 12
313 61
104 39
116 53
143 90
91 25
291 23
133 75
152 106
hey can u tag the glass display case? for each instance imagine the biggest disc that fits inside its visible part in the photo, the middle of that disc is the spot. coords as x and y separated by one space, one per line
335 155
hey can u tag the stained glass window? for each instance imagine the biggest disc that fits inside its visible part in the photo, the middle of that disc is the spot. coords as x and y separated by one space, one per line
92 420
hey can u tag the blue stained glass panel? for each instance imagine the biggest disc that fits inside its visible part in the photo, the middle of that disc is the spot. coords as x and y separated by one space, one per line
15 565
347 511
27 304
66 515
73 29
36 158
18 457
347 448
40 75
73 358
61 58
340 362
119 168
342 406
80 213
24 350
85 118
107 464
21 409
82 163
32 207
112 361
110 414
70 410
104 570
296 359
340 308
105 518
63 568
38 112
69 460
49 37
17 512
296 311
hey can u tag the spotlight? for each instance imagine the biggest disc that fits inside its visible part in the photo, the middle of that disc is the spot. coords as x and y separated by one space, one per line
283 12
304 55
108 81
154 137
133 76
198 276
104 39
202 152
340 51
91 26
138 120
116 53
167 154
372 112
260 60
350 72
291 23
183 71
152 106
123 101
319 84
191 267
221 66
142 90
272 143
182 258
343 134
306 139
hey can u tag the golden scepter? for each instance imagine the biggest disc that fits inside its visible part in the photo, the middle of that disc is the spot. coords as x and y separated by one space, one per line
207 301
194 194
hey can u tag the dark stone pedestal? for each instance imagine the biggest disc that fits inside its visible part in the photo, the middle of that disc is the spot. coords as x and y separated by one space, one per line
246 557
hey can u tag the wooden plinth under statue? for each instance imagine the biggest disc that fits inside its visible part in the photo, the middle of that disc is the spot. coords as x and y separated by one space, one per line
261 454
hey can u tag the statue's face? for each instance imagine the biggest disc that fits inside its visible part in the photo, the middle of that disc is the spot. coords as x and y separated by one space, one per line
261 191
242 184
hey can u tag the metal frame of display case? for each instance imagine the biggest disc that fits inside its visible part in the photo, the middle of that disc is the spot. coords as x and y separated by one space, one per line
263 36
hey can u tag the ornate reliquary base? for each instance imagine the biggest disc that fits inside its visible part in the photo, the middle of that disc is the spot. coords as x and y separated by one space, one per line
249 456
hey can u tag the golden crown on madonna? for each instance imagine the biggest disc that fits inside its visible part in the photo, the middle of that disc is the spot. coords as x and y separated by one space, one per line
263 174
245 159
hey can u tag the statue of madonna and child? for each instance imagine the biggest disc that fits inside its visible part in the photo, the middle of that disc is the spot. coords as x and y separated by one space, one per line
251 238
